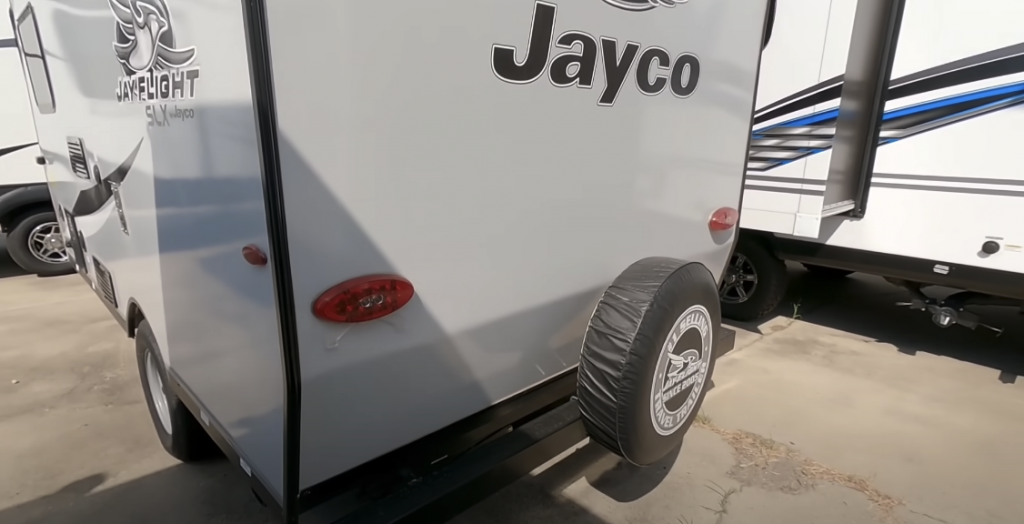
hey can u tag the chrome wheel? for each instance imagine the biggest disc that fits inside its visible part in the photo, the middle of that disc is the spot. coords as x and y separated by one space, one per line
46 243
156 392
740 280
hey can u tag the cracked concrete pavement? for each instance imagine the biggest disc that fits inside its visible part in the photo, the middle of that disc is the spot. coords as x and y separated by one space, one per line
856 412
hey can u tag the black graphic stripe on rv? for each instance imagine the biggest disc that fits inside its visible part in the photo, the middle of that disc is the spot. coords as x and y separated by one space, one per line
991 64
10 149
93 199
785 142
799 187
822 92
8 42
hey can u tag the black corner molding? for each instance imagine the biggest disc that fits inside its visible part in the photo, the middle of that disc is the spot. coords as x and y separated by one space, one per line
265 109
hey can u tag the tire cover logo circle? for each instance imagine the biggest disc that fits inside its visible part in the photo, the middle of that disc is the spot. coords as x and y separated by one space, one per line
681 370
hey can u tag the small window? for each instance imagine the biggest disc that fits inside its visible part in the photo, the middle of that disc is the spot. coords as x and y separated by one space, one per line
35 61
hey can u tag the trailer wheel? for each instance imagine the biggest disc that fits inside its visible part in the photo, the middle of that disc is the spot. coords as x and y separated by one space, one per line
754 283
179 432
35 243
827 272
647 358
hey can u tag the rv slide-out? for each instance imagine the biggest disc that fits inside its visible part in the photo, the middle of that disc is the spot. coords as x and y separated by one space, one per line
889 149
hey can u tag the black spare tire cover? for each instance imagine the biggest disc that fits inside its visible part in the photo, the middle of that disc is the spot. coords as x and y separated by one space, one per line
648 356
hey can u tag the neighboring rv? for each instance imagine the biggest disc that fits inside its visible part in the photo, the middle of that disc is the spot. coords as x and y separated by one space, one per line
880 100
367 271
34 238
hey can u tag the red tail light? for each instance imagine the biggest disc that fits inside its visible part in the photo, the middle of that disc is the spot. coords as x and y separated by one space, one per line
363 299
254 255
724 219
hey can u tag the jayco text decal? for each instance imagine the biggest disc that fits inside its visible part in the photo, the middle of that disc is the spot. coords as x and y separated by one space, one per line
654 71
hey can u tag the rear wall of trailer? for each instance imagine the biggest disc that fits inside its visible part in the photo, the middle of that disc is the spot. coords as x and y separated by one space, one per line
507 195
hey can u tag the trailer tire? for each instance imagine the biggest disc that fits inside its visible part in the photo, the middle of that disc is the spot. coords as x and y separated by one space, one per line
769 286
827 272
654 325
179 432
22 246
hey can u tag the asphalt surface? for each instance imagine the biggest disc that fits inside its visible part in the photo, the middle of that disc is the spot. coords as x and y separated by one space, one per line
840 409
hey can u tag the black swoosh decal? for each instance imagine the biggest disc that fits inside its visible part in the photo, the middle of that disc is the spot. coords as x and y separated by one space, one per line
91 200
11 149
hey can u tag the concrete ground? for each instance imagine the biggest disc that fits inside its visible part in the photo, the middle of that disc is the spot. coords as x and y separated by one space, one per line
852 412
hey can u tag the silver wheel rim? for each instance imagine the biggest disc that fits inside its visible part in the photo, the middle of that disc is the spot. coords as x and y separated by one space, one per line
740 280
46 243
156 392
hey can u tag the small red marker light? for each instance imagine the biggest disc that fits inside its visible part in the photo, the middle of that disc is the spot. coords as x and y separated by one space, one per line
363 299
724 219
254 255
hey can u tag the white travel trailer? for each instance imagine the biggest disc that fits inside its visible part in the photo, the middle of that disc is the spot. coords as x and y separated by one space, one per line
34 239
360 245
916 104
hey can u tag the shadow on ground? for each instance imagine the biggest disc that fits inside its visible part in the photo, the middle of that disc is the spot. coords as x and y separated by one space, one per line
537 498
7 266
865 305
210 492
215 492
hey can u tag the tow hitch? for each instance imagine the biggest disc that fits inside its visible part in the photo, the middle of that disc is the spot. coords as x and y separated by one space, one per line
952 309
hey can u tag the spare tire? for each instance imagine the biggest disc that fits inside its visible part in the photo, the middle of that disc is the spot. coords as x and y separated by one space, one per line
648 356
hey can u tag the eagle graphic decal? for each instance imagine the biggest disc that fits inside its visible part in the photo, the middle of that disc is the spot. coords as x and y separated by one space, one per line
678 364
144 38
643 5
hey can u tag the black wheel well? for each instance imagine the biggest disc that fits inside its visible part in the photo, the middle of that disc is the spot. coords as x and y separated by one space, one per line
12 216
135 317
767 240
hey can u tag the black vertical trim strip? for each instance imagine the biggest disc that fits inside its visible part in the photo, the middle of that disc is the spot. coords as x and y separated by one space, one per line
769 24
879 97
258 47
766 29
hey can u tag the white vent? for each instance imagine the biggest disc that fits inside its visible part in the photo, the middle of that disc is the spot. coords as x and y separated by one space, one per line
76 154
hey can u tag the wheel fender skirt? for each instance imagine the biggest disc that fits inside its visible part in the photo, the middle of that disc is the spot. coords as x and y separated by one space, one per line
21 197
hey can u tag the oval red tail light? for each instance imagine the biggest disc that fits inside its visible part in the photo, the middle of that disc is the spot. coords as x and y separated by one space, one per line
724 219
363 299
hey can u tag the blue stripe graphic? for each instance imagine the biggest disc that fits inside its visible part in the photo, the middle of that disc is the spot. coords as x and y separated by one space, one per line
1007 95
